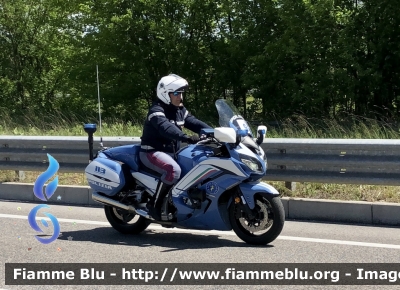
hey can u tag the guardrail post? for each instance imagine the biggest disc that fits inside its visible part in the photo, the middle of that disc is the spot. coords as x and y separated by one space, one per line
20 175
290 185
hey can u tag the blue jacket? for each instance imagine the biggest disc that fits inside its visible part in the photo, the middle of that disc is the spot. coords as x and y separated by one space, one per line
162 130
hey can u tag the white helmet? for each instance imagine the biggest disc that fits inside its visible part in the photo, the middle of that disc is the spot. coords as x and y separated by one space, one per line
170 84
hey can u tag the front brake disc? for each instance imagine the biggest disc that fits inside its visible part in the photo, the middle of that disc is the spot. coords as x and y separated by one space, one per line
256 225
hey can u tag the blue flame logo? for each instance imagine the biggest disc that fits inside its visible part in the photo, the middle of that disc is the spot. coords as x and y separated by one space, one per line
41 180
49 191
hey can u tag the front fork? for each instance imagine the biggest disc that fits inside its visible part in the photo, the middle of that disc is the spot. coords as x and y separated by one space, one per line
240 201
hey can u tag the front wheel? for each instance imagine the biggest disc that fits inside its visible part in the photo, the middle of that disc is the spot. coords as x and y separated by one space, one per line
265 224
125 222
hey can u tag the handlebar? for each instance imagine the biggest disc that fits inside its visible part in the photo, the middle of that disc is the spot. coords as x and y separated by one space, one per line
204 141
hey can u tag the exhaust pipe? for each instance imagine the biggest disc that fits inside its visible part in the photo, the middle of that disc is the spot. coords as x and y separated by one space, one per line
108 201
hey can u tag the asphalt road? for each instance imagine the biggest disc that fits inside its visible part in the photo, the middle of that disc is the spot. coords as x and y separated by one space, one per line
88 238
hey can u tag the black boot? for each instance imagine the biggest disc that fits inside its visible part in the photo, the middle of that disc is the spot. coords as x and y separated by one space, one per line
155 203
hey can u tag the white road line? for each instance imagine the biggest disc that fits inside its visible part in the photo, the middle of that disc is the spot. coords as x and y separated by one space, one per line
339 242
230 233
25 217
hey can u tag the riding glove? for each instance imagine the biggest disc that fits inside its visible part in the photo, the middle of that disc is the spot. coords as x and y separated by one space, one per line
192 139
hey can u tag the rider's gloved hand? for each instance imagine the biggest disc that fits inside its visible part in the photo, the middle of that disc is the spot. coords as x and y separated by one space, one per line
193 139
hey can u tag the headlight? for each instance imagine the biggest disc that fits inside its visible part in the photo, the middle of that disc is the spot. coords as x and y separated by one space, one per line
252 163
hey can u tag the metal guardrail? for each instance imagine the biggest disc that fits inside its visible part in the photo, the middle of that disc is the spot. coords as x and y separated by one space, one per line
72 153
340 161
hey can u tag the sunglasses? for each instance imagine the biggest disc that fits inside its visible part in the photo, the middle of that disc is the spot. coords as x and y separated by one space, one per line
177 93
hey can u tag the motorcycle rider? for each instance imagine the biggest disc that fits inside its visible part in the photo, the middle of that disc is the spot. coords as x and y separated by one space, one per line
162 136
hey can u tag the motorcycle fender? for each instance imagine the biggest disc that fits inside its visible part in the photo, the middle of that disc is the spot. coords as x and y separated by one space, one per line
249 189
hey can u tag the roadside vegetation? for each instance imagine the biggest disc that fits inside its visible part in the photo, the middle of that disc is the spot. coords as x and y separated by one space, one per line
332 61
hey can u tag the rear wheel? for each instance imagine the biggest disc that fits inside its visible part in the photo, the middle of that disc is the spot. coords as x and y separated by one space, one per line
266 223
125 222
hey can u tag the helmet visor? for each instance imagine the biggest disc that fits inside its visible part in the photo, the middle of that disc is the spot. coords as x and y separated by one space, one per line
182 89
177 93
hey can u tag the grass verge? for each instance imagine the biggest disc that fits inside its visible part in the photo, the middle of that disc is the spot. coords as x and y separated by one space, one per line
348 192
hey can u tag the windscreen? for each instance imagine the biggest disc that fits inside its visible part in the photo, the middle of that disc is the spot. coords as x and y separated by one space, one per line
229 116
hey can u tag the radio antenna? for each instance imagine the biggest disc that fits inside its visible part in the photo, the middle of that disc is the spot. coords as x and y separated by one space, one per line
98 95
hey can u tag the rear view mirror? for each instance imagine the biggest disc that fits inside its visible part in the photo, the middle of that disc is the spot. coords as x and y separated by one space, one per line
261 133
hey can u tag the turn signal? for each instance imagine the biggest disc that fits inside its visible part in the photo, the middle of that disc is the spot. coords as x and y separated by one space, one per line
237 199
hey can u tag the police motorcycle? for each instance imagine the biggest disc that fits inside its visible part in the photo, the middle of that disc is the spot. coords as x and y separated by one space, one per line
220 186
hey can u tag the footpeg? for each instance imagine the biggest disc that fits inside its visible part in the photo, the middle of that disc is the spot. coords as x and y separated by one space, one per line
143 213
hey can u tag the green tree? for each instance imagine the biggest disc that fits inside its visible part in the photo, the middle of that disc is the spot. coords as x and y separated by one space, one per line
32 55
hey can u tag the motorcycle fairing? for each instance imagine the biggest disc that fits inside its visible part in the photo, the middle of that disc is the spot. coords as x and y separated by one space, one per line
195 176
212 176
148 181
